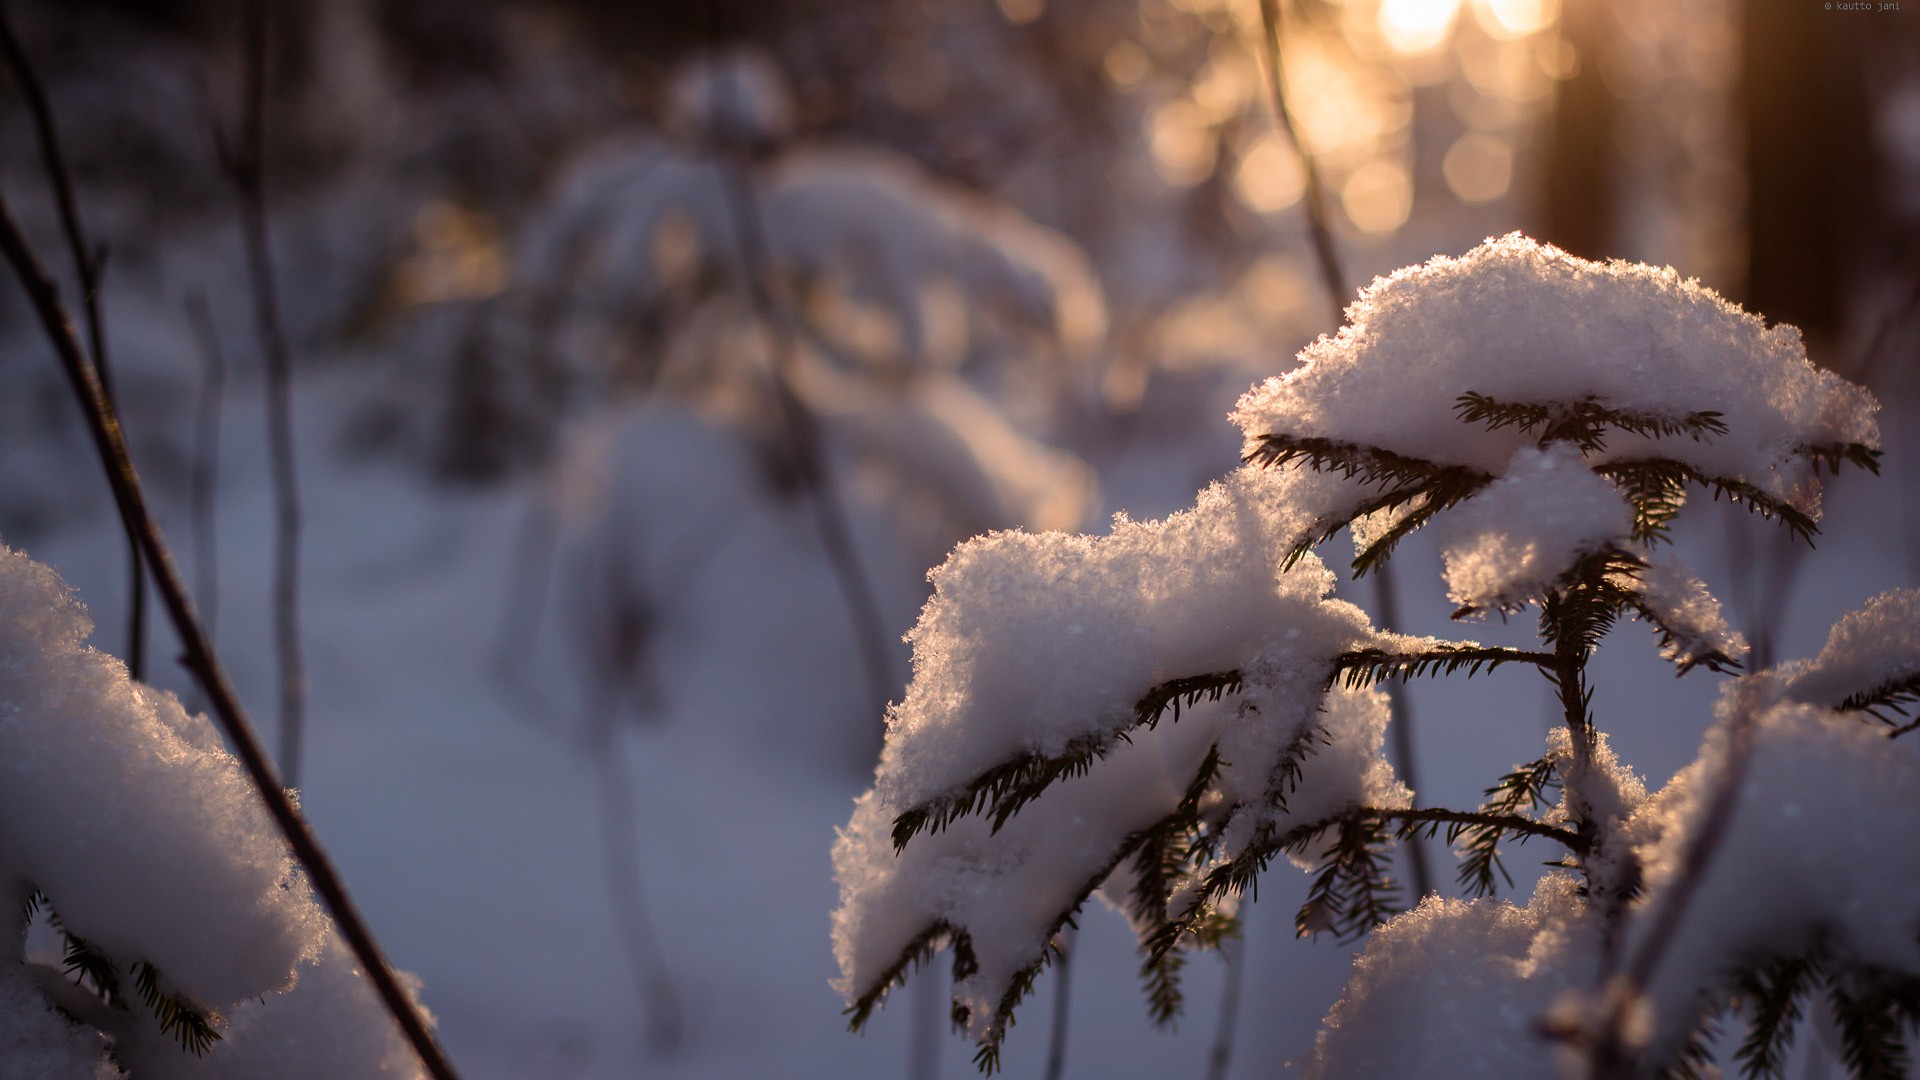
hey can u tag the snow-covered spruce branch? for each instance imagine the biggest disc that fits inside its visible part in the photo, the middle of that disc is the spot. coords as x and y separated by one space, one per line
199 658
1000 792
1548 417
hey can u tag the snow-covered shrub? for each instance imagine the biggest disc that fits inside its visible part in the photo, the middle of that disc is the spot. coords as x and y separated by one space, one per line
191 944
1160 713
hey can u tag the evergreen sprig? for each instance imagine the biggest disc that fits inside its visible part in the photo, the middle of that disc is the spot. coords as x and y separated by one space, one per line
1004 789
91 967
1869 1025
179 1017
1773 992
1427 486
1894 695
1369 667
1642 474
1351 892
1582 422
1832 455
1520 792
1670 637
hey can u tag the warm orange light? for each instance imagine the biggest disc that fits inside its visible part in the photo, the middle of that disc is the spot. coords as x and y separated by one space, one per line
1411 27
1378 197
1479 168
1269 178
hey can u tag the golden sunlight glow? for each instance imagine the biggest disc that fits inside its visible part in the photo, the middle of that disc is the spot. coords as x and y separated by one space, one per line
1269 178
1508 19
1417 26
1183 143
1378 197
1479 168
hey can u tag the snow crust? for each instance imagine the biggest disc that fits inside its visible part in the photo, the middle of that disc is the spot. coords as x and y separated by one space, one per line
1509 542
1524 322
1458 988
1033 640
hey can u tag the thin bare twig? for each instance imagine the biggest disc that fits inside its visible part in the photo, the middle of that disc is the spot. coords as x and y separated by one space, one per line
206 461
88 263
803 437
1062 1006
1220 1056
246 168
198 655
1386 601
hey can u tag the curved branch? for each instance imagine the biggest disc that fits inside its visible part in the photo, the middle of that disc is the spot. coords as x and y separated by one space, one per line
198 654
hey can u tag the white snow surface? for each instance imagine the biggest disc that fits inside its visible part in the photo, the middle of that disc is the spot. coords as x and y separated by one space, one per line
127 813
1819 845
1456 989
1032 640
1509 542
1866 649
37 1043
1524 322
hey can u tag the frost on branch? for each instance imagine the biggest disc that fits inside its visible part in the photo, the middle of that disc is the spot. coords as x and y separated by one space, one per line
1526 324
1691 628
1166 675
1870 662
125 816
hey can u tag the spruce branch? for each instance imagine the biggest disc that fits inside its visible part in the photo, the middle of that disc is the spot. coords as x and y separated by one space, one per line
1623 472
1832 455
1351 893
1583 422
1677 641
1774 991
179 1017
1895 696
1369 667
1872 1043
1004 789
198 655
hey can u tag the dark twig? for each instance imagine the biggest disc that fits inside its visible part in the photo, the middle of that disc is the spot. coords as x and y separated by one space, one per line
803 436
246 168
1220 1056
206 461
198 655
1062 1006
88 262
1386 601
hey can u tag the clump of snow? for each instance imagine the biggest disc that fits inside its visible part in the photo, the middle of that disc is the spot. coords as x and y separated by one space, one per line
1866 649
147 837
1005 890
151 843
1032 640
37 1043
1458 989
1510 541
1525 322
331 1025
1689 613
1819 845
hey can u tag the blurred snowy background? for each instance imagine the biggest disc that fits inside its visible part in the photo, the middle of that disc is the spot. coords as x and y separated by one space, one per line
607 554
